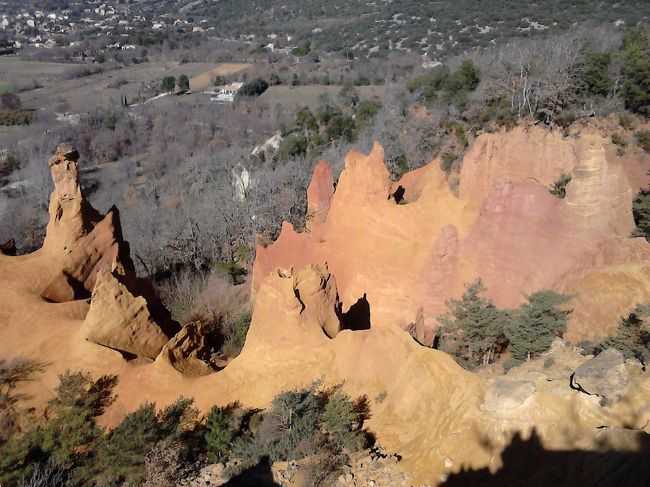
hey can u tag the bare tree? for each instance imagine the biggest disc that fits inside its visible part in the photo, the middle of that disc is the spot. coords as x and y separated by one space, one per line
46 475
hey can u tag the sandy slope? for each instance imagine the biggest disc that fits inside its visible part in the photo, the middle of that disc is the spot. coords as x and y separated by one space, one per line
503 226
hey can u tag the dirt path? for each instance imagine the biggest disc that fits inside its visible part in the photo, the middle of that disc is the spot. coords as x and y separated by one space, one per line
204 80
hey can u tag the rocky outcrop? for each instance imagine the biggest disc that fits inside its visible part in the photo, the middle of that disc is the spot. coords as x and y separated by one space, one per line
418 330
78 236
84 255
81 262
315 289
606 375
389 259
119 320
319 193
190 352
505 394
373 468
71 216
503 226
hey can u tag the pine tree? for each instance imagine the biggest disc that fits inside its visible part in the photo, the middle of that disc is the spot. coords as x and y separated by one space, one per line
121 456
218 433
183 83
633 335
536 323
636 70
473 326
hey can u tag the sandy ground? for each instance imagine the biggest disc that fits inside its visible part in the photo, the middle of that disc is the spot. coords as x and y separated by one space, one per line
204 80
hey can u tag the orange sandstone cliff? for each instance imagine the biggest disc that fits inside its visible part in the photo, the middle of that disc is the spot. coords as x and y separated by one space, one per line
332 303
504 227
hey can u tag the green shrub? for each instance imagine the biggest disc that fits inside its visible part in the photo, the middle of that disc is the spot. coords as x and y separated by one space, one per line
305 119
341 126
183 83
558 188
455 86
253 88
20 456
461 82
72 427
366 111
121 455
17 117
13 373
293 145
168 84
469 75
218 433
293 420
427 86
618 139
342 420
349 96
565 119
69 437
643 139
339 416
447 161
233 270
459 132
236 335
626 121
632 337
498 110
302 50
400 164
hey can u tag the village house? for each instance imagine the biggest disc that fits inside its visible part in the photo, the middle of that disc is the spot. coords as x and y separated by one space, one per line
227 93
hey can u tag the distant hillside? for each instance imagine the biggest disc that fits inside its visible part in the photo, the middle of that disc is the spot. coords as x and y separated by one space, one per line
437 27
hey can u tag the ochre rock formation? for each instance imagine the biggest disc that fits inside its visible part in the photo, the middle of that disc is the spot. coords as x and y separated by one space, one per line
344 322
71 216
504 226
81 239
189 351
119 320
83 253
417 394
315 289
319 192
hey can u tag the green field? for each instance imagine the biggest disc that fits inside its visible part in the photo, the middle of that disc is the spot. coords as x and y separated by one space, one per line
51 85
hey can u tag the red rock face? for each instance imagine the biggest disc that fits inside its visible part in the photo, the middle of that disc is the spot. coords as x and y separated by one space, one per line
320 192
504 226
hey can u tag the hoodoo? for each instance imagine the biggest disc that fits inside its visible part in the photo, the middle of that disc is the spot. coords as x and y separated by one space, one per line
504 227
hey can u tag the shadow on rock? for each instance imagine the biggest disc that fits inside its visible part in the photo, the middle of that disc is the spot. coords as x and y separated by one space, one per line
258 476
528 463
